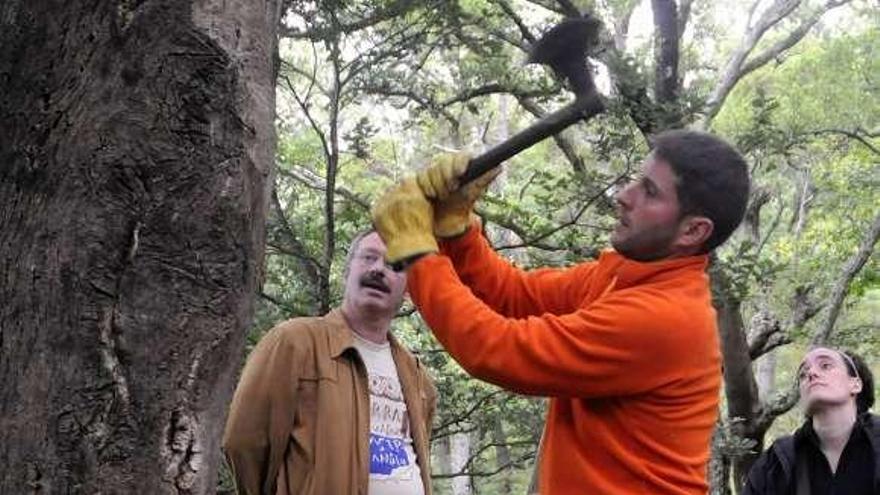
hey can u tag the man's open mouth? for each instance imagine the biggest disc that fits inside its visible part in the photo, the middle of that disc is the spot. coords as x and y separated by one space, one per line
376 284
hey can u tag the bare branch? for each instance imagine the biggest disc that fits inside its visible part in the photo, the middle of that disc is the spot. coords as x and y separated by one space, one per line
574 219
497 88
737 67
841 286
765 334
777 220
577 163
466 468
438 430
314 181
310 265
390 46
803 308
289 309
323 33
858 134
422 101
304 106
509 12
789 41
752 220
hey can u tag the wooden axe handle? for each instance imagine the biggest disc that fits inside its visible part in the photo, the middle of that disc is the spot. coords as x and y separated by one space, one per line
583 108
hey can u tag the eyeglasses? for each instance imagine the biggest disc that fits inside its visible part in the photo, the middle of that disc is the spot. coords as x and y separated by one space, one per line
369 258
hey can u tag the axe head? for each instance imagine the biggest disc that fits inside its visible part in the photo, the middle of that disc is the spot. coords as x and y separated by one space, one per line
564 48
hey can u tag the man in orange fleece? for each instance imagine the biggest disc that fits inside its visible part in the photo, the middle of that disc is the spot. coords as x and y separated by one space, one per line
626 346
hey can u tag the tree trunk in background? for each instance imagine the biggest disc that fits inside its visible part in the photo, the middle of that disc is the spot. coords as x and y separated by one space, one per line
459 452
740 387
136 143
441 456
502 456
719 468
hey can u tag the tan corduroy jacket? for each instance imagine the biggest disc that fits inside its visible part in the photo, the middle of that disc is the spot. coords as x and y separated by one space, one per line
299 421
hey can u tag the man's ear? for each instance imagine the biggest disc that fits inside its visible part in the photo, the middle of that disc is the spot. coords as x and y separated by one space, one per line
694 231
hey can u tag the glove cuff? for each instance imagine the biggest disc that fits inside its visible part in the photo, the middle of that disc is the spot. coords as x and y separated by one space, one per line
449 228
403 247
450 225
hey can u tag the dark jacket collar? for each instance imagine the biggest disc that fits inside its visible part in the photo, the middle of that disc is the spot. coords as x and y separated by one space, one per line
784 448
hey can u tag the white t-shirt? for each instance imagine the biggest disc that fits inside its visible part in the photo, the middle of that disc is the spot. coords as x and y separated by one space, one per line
393 466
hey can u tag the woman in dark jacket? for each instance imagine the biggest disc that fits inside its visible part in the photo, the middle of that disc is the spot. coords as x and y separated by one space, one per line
837 450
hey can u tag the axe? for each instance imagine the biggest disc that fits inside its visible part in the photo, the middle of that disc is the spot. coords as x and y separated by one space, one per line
563 48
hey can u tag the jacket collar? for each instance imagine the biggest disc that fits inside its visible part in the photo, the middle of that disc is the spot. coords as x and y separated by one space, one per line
340 338
784 448
630 272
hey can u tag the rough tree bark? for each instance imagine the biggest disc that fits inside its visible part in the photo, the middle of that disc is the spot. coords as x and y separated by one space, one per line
136 143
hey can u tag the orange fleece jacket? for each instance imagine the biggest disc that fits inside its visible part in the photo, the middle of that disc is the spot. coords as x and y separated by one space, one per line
628 352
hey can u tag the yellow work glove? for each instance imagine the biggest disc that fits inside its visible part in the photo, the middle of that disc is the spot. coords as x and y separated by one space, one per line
403 217
453 207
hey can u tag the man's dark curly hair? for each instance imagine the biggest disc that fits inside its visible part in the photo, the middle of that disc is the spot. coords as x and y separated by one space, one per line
712 179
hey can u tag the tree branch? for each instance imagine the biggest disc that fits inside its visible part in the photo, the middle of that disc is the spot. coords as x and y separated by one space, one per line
437 432
316 182
789 41
409 94
466 468
322 32
497 88
736 67
288 308
303 105
310 265
524 30
765 334
841 286
577 163
573 221
850 134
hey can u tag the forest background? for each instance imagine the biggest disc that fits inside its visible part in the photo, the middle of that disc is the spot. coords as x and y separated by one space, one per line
142 185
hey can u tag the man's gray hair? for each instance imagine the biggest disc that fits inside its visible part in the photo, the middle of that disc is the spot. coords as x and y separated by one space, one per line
352 248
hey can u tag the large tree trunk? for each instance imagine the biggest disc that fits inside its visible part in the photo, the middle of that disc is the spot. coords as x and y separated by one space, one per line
136 143
743 406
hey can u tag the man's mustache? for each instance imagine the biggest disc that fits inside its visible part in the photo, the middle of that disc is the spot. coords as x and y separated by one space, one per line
374 280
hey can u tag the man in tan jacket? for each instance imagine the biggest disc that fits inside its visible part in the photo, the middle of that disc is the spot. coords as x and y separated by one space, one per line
333 404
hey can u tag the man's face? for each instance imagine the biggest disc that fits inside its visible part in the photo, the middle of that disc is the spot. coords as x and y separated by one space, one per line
823 379
648 214
370 284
